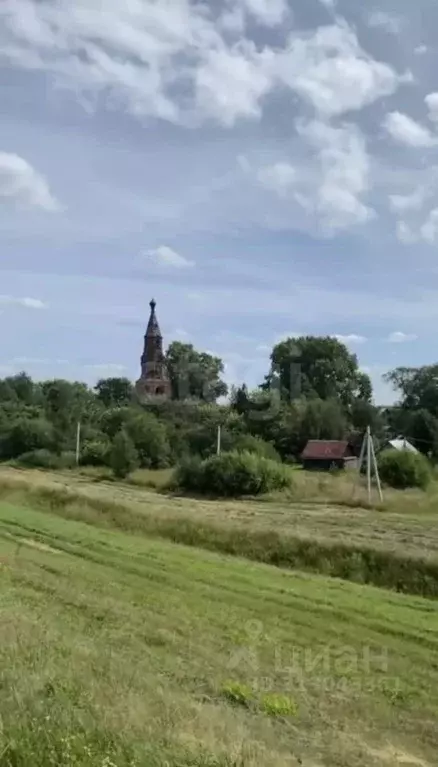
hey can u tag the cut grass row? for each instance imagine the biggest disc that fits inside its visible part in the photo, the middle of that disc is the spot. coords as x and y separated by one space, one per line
122 651
355 559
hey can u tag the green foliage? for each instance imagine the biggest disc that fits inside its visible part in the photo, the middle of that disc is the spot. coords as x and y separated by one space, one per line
320 367
417 387
150 440
232 474
194 374
25 435
247 443
237 694
403 469
95 452
123 457
278 705
44 459
114 391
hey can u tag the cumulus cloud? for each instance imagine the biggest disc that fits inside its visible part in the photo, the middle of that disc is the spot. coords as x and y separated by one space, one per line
279 178
166 256
344 173
230 83
414 201
176 61
267 12
28 303
432 104
429 230
351 338
399 338
331 71
404 130
385 21
22 185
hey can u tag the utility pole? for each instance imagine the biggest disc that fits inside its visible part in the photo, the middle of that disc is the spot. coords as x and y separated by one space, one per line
368 449
368 438
78 442
218 448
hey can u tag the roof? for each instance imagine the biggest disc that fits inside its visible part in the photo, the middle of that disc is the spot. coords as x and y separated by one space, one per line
402 444
153 329
326 449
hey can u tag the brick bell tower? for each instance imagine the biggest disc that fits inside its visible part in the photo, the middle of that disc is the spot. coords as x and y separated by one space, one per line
154 379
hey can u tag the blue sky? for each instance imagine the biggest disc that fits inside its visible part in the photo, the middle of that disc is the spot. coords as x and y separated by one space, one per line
262 168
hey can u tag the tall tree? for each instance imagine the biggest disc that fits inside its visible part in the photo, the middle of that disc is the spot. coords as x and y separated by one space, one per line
314 366
194 374
418 387
114 392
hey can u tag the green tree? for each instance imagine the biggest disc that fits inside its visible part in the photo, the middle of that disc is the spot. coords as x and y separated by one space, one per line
417 387
194 374
23 387
318 367
149 437
114 391
123 457
26 435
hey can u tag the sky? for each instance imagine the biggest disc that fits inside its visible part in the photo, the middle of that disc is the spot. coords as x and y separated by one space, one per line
262 168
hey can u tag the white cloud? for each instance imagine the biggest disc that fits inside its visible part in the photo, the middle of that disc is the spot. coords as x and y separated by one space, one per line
175 60
168 257
278 178
386 21
230 83
429 230
405 234
420 50
413 201
344 173
432 104
405 130
330 70
328 3
351 338
22 185
399 338
28 303
267 12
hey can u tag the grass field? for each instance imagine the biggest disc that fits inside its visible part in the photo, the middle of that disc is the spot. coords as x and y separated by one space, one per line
120 650
397 549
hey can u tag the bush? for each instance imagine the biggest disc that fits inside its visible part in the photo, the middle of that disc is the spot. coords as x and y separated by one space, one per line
403 469
247 443
150 440
123 457
95 453
27 435
232 474
44 459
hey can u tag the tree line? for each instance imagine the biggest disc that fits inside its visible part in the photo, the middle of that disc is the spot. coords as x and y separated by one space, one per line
314 389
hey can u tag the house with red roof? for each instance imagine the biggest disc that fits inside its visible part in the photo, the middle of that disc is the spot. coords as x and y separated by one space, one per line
326 454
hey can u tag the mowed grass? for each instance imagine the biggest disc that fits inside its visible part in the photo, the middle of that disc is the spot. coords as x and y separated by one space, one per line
119 650
394 549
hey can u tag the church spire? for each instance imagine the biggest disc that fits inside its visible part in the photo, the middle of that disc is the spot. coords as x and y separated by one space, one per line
154 377
153 328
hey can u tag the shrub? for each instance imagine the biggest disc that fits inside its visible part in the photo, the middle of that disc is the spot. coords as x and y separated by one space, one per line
123 457
247 443
232 474
278 705
95 453
44 459
27 435
403 469
150 440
